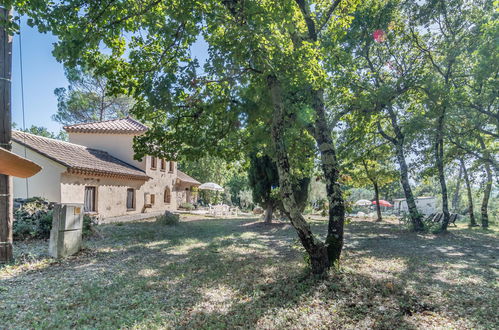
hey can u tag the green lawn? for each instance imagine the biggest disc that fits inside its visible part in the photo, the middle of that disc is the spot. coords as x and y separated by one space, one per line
214 273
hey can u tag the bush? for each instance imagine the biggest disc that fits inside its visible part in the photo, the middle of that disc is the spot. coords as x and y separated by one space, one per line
168 219
88 225
33 219
187 206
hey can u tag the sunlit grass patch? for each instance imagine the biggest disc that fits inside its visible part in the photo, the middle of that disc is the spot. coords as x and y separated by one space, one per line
230 273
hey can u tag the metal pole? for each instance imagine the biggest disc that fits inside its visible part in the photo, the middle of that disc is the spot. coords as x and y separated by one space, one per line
6 201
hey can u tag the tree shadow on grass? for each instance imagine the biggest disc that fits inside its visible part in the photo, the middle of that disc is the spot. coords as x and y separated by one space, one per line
231 273
454 272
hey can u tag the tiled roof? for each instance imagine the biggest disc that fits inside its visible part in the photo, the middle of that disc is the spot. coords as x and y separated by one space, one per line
117 126
79 159
184 177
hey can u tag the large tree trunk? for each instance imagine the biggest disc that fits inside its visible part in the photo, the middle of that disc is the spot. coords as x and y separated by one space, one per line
486 196
316 250
488 186
376 198
6 202
409 196
439 158
455 199
268 213
324 140
398 142
330 168
469 193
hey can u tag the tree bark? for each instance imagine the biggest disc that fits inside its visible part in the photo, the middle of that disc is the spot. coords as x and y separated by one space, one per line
439 158
330 168
486 197
469 193
376 197
6 202
322 135
455 199
376 191
398 142
316 250
409 196
268 213
488 186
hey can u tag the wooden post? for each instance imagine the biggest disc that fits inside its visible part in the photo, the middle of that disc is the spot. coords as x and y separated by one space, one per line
6 202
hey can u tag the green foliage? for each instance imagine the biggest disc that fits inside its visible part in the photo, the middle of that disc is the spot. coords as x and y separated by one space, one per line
32 220
43 131
187 206
87 99
89 223
168 219
263 178
229 174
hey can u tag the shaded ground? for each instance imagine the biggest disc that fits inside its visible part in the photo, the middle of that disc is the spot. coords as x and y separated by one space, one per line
214 273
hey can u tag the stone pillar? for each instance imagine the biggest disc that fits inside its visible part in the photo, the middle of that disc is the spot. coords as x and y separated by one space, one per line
66 233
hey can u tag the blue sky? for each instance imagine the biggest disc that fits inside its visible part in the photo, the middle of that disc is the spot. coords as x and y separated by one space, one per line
42 74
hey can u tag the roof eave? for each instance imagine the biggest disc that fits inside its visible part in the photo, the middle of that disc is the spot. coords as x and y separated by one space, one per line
87 171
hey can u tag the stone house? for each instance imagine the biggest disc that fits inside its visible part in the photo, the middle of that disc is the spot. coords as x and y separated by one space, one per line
96 167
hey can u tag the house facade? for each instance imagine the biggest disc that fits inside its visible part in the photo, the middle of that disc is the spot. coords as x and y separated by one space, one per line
96 167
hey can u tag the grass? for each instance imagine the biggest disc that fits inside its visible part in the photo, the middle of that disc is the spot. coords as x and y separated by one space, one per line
239 273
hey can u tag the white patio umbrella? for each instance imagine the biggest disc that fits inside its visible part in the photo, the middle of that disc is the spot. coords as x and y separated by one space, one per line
363 202
212 186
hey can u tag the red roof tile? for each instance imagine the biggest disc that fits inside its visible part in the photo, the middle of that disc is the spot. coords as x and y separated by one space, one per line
186 178
77 158
116 126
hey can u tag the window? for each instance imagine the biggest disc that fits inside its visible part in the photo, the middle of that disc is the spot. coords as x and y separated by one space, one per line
172 166
168 196
130 199
153 199
153 163
163 165
89 199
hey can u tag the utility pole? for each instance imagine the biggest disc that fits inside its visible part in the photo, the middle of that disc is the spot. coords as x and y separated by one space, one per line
6 201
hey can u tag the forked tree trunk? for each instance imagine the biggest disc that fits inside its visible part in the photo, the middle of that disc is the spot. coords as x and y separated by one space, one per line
268 213
376 198
469 193
322 135
316 250
439 158
486 197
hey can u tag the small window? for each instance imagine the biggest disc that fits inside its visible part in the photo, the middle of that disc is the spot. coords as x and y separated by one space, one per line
172 167
153 199
168 196
163 165
153 163
130 199
89 199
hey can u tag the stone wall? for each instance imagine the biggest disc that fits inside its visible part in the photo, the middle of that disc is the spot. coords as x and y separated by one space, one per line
111 193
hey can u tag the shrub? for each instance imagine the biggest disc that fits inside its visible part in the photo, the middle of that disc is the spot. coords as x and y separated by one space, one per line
187 206
168 219
33 219
88 225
